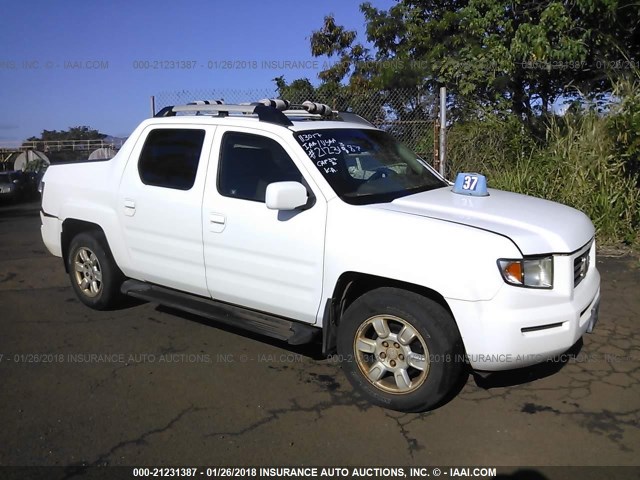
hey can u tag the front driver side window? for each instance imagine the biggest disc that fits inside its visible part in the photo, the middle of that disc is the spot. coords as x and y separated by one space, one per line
248 163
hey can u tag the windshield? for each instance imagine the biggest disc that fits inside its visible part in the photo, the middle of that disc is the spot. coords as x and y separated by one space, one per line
367 166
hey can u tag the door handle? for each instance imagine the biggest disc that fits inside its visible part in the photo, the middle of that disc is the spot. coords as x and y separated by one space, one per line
217 222
217 218
129 207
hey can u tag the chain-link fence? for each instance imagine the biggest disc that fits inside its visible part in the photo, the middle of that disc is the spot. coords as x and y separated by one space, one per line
409 115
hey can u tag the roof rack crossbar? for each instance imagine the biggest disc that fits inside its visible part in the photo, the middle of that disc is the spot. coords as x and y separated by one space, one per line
301 114
320 109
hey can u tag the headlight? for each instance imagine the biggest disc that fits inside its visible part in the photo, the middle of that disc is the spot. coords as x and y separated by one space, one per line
527 272
41 187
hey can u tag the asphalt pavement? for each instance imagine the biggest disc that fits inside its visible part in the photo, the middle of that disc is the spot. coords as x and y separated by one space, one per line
147 385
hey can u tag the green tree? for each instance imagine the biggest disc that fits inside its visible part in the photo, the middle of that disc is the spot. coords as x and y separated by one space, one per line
68 153
82 132
518 55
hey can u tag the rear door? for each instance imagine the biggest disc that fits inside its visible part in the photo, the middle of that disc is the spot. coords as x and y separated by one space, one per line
263 259
160 206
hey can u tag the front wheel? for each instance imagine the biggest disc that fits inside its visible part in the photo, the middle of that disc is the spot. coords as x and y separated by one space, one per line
401 350
94 275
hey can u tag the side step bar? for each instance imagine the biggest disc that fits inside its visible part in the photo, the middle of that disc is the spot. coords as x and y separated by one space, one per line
294 333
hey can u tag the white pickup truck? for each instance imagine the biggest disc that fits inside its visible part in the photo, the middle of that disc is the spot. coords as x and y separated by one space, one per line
299 222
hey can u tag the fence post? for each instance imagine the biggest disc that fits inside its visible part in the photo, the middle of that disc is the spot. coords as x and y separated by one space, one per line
443 131
153 105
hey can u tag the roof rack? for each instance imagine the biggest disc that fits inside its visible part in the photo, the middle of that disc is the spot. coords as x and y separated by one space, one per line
264 113
268 110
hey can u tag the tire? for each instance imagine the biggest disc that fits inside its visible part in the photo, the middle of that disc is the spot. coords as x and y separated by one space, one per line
401 350
95 277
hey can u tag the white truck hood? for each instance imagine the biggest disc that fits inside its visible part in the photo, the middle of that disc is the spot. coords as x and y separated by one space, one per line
536 226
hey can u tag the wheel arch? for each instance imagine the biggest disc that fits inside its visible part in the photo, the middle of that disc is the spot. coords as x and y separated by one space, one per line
352 285
70 228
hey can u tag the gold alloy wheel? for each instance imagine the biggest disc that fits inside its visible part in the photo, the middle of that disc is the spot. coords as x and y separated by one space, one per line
391 354
88 273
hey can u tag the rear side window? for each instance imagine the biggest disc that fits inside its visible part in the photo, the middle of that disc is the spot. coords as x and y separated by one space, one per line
170 158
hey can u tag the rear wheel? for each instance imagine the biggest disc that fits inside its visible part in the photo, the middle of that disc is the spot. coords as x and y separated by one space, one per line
401 350
94 275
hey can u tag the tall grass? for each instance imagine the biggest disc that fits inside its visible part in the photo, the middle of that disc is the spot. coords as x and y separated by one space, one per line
577 165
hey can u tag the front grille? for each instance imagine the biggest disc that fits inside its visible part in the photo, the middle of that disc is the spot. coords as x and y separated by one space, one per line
580 267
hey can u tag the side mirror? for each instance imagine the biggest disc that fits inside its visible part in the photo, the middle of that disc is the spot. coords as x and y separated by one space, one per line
285 195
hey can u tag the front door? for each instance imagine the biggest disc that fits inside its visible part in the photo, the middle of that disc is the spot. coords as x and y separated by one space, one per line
263 259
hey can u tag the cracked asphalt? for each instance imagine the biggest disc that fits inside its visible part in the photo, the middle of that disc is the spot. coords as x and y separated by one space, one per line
147 385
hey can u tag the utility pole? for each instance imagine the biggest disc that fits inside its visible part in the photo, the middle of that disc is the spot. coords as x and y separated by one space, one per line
443 131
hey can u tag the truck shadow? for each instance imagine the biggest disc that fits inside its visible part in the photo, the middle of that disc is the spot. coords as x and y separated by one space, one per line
510 378
488 381
311 350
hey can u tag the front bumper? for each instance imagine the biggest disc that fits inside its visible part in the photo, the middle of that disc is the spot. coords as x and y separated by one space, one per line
521 326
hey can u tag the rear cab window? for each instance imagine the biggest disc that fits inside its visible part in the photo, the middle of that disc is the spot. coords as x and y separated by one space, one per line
170 157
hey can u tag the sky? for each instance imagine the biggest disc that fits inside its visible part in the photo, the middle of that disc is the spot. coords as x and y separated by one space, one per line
97 63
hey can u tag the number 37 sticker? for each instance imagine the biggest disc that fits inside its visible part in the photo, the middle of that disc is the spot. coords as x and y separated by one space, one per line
471 184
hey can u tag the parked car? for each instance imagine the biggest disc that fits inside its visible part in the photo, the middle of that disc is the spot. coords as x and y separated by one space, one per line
12 186
33 179
302 223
